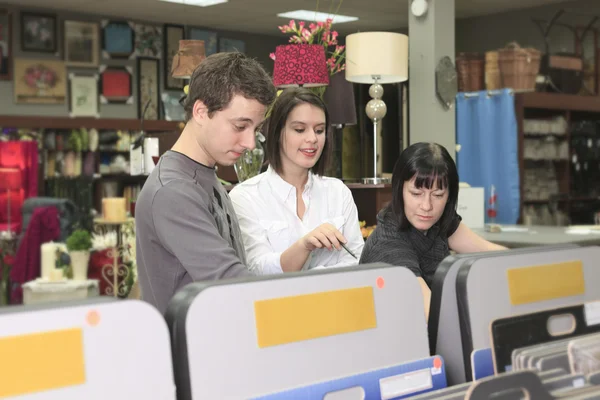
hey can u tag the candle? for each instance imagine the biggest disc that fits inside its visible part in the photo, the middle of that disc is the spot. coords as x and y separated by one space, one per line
56 275
114 209
48 255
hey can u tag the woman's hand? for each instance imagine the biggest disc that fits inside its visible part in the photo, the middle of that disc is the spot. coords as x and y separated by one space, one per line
324 235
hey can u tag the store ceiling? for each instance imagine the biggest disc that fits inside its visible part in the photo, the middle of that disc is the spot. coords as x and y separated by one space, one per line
259 16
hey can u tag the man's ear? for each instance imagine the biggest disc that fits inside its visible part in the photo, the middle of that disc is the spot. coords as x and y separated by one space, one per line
199 112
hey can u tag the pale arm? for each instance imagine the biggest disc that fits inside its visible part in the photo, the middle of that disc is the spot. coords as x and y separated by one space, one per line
464 240
426 296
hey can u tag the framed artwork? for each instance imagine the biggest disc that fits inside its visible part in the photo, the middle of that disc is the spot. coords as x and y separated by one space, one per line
209 37
148 85
83 95
5 45
172 107
148 40
232 45
40 81
116 85
38 32
118 39
82 43
172 35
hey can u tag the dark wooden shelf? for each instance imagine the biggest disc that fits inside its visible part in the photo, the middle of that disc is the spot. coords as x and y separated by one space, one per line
572 108
33 122
559 102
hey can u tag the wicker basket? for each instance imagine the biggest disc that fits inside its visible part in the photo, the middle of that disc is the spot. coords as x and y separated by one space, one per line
470 72
518 66
492 71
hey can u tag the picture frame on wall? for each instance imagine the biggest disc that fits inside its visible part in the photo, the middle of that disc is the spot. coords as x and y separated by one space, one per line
38 32
173 110
232 45
81 43
83 95
118 39
148 88
5 45
172 34
210 39
148 40
40 81
116 85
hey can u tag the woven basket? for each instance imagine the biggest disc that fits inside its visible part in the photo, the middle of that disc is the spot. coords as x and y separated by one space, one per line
518 66
492 71
469 67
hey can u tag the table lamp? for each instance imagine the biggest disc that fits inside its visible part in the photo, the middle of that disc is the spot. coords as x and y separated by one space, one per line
339 98
300 65
191 53
376 58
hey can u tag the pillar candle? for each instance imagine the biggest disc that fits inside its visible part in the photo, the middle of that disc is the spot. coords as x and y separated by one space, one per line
48 255
56 274
114 209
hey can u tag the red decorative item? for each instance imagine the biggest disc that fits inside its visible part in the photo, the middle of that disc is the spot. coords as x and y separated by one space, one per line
98 259
300 65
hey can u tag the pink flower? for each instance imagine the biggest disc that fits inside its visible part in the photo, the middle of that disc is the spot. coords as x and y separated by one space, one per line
317 33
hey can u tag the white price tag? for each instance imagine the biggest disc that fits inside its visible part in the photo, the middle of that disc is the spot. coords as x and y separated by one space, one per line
592 313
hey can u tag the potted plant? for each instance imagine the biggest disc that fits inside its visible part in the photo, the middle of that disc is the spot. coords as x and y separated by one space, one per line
79 245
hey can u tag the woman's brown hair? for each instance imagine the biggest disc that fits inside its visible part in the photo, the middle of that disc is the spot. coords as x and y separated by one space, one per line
284 105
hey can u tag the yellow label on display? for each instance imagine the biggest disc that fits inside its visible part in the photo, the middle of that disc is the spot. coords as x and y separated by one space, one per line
41 361
545 282
311 316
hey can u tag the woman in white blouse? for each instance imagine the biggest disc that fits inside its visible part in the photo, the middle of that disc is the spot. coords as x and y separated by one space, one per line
292 217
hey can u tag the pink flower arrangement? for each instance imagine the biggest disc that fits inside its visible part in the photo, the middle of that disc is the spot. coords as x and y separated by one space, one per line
318 33
40 77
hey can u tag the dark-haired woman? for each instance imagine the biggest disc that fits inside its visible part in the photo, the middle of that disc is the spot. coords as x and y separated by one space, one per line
292 217
420 226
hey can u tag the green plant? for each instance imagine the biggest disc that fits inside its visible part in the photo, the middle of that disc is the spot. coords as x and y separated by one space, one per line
80 240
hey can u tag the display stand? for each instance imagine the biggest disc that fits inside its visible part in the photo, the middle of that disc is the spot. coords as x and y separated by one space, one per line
97 348
313 335
444 326
116 271
499 287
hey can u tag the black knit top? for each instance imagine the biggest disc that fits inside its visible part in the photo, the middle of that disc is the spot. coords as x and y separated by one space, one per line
420 252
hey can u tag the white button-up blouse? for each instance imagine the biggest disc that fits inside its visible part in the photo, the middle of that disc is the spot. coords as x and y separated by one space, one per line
266 209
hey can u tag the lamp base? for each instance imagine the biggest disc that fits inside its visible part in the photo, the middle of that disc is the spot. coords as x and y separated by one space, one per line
376 181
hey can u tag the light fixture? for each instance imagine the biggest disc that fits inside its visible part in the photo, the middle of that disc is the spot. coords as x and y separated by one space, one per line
306 15
419 7
199 3
376 58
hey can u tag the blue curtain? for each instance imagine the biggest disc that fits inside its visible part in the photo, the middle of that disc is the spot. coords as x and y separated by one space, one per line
486 129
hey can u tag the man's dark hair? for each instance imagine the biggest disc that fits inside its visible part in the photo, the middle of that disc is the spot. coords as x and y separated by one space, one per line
284 105
221 76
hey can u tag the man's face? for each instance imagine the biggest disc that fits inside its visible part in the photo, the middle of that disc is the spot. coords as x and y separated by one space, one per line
231 131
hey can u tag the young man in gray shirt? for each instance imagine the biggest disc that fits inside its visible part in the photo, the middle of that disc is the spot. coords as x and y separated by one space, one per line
186 227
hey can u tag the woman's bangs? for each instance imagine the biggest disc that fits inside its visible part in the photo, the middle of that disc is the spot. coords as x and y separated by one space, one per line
432 179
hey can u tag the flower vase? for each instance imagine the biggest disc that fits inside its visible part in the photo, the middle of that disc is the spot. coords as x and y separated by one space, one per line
251 161
79 264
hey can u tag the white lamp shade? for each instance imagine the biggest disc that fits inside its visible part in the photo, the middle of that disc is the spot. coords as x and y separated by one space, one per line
381 54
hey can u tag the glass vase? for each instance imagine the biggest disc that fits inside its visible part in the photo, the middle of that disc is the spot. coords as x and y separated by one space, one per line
250 163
